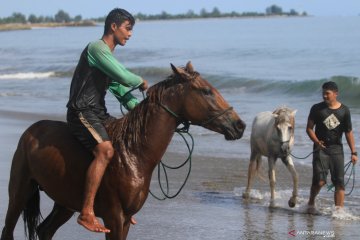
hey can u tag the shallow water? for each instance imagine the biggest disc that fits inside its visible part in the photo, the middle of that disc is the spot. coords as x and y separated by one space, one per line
200 214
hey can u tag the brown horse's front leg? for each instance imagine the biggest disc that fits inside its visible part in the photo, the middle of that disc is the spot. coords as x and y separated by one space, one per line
118 234
118 224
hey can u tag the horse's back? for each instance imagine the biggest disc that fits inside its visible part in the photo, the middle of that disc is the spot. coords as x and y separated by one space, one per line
53 157
44 128
261 133
54 139
46 133
261 123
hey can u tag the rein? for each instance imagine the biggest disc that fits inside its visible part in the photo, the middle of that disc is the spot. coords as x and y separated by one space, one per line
121 98
201 124
190 146
216 116
165 167
181 131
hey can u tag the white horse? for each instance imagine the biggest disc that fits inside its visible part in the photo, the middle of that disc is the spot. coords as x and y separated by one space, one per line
272 136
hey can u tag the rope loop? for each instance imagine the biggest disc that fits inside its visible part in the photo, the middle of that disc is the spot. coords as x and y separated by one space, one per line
166 190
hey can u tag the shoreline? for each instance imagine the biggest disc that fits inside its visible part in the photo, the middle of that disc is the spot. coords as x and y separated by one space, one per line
91 23
29 26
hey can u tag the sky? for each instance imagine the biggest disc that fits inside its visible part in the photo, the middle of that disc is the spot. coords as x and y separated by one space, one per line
97 8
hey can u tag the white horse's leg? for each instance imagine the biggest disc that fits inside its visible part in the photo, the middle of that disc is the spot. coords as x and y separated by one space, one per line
291 168
251 170
272 179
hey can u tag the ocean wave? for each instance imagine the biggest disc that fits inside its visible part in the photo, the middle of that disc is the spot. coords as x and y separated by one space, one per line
27 75
349 87
156 73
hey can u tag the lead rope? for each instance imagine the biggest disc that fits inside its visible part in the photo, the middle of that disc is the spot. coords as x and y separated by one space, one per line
166 192
346 167
302 157
181 131
352 173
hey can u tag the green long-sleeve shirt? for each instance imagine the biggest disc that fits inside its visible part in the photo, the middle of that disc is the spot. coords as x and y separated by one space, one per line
101 57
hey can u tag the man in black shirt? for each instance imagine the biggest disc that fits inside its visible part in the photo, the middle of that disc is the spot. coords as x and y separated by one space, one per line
331 119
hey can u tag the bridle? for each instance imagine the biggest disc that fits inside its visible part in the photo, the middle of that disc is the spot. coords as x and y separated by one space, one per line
187 123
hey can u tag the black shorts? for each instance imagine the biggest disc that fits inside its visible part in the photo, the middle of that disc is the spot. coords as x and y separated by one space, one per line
331 158
88 128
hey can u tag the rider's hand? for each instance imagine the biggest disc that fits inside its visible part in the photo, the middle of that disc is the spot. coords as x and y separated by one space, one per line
144 85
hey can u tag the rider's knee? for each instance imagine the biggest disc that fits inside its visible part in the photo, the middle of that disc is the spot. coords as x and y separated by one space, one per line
104 150
109 153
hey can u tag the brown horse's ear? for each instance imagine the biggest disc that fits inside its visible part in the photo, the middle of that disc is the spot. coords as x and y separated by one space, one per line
174 68
178 71
189 67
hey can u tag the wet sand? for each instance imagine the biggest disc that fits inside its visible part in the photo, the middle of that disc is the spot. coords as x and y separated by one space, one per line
209 207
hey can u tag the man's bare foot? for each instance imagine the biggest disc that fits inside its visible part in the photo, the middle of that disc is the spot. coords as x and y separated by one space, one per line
312 210
133 221
91 223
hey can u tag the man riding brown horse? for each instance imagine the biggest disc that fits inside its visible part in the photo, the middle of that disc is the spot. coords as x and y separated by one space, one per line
98 70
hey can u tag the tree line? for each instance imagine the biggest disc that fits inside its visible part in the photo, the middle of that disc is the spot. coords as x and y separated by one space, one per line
272 10
60 17
63 17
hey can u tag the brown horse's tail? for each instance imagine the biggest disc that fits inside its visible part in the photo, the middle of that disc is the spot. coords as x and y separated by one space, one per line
32 215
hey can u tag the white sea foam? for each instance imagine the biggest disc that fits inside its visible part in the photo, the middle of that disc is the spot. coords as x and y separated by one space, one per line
343 214
27 75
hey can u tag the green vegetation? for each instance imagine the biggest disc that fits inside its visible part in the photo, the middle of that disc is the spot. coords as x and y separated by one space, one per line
18 21
272 10
61 18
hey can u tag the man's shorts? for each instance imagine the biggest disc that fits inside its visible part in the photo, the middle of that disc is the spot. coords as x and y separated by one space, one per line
88 128
331 158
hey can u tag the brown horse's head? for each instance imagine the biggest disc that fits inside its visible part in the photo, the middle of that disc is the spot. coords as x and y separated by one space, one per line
194 99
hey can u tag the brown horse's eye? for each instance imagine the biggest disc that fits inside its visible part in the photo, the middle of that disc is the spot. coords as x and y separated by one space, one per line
206 91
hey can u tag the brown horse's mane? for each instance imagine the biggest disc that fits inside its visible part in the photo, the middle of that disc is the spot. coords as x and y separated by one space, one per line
128 132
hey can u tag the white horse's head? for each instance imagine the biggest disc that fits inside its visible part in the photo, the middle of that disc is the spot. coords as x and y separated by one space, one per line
285 126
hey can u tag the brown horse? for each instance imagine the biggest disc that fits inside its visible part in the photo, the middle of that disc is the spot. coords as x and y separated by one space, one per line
49 158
